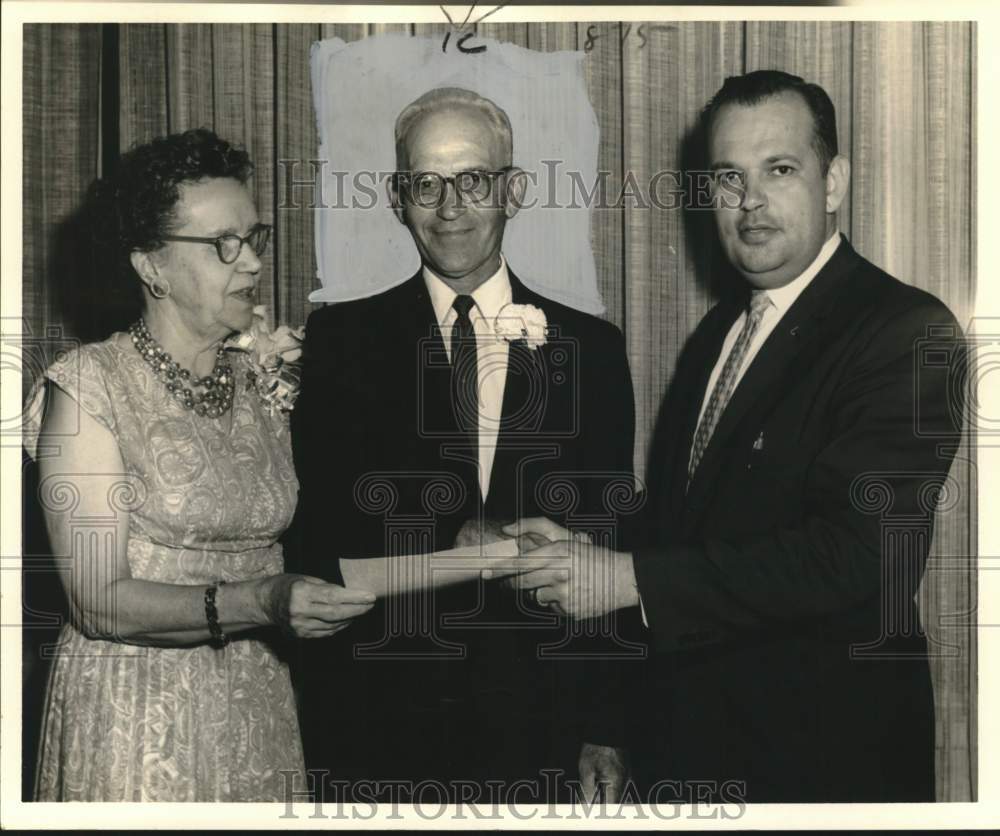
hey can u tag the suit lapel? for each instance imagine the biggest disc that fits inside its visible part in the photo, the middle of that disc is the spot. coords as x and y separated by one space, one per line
519 414
799 333
422 363
415 317
524 368
421 340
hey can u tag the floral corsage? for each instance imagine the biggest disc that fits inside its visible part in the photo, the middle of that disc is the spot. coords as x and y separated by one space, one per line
273 358
521 322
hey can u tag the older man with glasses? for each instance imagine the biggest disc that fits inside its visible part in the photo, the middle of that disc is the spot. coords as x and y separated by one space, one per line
449 397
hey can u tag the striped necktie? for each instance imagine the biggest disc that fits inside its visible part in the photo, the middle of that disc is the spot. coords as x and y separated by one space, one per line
726 382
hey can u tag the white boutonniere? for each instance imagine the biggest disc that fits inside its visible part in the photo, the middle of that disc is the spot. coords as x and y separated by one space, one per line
273 358
521 322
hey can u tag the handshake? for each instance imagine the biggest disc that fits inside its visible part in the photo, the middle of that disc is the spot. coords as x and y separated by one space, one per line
558 568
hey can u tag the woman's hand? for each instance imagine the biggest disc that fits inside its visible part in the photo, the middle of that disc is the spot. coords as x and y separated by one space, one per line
310 608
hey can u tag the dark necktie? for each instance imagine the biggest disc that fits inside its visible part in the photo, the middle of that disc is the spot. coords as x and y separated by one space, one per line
726 382
465 371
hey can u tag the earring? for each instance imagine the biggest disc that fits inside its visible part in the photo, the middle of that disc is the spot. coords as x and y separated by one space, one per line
158 290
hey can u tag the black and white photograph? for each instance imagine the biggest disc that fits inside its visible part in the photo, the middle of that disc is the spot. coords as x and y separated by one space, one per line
513 416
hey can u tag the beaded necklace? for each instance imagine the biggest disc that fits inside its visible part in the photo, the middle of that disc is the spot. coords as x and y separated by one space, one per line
218 387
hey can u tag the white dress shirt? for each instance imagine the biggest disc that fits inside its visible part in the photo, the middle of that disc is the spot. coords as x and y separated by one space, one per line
781 300
491 353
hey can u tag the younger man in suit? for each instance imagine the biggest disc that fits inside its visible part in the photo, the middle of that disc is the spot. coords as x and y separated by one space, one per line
792 486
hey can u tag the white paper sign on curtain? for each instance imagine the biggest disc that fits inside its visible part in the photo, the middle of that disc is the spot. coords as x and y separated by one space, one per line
360 88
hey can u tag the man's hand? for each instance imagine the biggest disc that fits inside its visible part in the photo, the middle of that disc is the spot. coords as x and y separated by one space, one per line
541 530
308 607
474 533
605 769
573 577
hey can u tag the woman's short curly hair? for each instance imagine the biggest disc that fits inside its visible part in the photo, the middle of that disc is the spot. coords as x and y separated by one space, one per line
144 188
128 210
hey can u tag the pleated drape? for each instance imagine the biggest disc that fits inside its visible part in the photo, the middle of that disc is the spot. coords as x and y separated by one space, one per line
61 106
904 94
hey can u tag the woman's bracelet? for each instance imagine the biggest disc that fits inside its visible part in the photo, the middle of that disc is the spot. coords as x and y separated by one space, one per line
219 639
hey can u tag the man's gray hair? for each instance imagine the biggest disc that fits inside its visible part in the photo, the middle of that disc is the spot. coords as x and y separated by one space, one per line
445 98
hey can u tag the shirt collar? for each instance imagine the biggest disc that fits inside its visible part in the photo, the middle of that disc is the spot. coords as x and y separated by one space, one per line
783 297
490 296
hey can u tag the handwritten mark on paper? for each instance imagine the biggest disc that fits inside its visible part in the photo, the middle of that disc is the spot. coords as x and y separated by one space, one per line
643 32
461 34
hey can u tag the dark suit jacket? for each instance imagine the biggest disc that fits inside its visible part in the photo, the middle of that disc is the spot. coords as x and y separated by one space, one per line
381 470
779 587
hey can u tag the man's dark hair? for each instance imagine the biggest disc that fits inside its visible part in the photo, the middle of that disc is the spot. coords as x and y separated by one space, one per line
752 88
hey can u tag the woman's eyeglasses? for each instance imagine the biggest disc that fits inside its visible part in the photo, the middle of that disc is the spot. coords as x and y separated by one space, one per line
229 246
426 189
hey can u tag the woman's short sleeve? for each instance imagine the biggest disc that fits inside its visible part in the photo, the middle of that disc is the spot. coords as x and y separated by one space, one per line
81 374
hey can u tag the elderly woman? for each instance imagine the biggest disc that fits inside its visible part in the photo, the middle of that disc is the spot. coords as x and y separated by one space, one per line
166 482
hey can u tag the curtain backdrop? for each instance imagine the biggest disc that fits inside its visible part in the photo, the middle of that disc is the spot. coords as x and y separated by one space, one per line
904 94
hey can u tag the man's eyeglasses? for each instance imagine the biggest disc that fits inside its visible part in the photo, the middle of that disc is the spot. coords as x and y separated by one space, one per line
427 189
229 246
